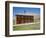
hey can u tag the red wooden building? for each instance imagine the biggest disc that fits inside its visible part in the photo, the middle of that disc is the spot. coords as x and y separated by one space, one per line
20 19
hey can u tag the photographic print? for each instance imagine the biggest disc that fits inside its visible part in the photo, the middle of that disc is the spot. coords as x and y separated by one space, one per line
24 18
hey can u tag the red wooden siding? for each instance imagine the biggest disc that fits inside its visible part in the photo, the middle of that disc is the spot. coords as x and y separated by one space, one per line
24 19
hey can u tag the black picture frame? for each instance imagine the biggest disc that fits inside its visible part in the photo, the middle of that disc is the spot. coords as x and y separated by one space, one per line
7 18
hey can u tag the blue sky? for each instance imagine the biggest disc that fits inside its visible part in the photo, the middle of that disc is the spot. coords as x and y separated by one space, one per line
26 9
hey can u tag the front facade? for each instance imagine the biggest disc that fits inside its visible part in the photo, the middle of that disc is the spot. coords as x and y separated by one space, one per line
21 19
